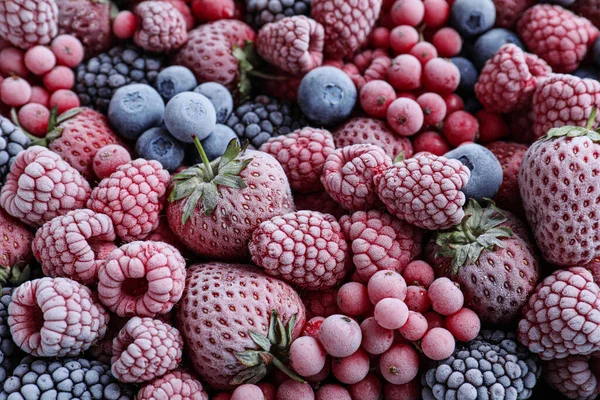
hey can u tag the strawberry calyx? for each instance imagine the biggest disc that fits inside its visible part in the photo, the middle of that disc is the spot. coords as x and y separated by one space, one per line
14 276
202 181
54 130
576 131
273 351
479 230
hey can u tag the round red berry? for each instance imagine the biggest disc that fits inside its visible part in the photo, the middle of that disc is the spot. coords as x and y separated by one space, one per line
64 99
375 338
400 364
434 320
391 313
34 119
405 116
15 91
438 344
108 159
491 126
124 25
39 95
380 38
375 98
385 284
417 299
415 326
68 50
446 297
39 60
405 73
464 324
434 108
437 13
12 62
407 12
431 142
453 103
418 273
60 77
441 76
353 299
461 127
403 38
351 369
210 10
424 51
448 42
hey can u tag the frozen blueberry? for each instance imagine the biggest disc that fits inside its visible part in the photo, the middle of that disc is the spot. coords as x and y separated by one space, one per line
174 80
157 144
220 97
472 17
486 171
326 95
468 74
134 109
589 72
488 44
214 146
188 114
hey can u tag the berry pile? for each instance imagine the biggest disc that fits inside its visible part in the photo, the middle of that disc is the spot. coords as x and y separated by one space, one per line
299 199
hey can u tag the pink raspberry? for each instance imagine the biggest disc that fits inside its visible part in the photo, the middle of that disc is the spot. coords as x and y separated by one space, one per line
367 66
176 384
55 317
348 175
322 303
75 245
142 279
573 377
507 83
380 241
305 248
302 155
132 197
160 28
564 100
26 23
293 44
319 201
557 35
145 348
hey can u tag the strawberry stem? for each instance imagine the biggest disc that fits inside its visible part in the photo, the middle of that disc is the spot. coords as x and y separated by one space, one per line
592 118
287 371
203 157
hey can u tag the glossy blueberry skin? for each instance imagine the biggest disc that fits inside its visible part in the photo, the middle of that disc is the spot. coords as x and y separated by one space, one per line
468 74
134 109
486 171
188 114
488 44
220 97
472 17
174 80
327 96
157 144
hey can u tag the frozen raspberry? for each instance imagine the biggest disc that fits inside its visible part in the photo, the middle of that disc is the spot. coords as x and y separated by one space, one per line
492 126
64 100
417 299
332 392
293 44
438 344
142 279
431 142
573 377
132 197
340 336
351 369
506 83
58 78
434 108
41 186
365 67
108 159
464 325
39 60
424 51
405 73
391 313
446 297
415 327
302 155
508 12
441 76
400 364
321 303
15 242
290 247
160 28
34 119
380 241
353 299
461 127
375 98
139 343
436 13
564 100
557 35
55 317
12 62
447 41
425 191
367 389
403 38
15 91
124 25
407 12
348 175
28 23
68 50
380 38
307 357
375 338
372 131
75 245
561 317
177 384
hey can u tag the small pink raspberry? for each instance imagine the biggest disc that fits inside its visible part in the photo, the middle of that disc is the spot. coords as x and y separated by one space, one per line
425 191
368 66
302 155
564 100
132 197
319 201
348 175
15 242
507 82
380 242
26 23
557 35
305 248
320 303
372 131
573 377
562 317
75 245
293 44
41 186
177 384
508 12
142 279
160 28
55 317
145 348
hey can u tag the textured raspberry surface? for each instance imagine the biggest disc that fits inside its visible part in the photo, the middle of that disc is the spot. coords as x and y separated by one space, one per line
425 191
573 377
161 27
55 317
132 197
320 303
302 155
178 384
293 44
508 12
41 186
557 35
305 248
348 175
510 155
347 23
88 21
380 241
319 201
372 131
142 279
15 241
368 66
145 348
26 23
564 100
562 316
75 245
507 83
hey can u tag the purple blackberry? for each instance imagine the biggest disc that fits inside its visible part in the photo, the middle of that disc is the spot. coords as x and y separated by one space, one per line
260 12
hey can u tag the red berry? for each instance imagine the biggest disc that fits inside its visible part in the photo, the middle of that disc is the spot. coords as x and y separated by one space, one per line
391 313
424 51
447 42
407 12
434 108
453 103
405 72
408 391
353 299
34 118
340 335
446 297
39 60
464 324
406 95
415 327
431 142
39 95
12 62
64 99
59 78
434 320
380 38
385 284
461 127
491 126
418 273
437 13
375 98
367 389
438 344
312 326
400 364
68 50
440 76
15 91
210 10
417 299
351 369
332 391
108 159
124 25
405 116
375 338
307 356
403 38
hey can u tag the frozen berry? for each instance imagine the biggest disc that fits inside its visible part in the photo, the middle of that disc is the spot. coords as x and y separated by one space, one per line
400 364
12 62
247 392
307 357
460 127
453 103
447 42
34 119
340 335
384 284
380 38
464 325
39 95
438 344
440 76
436 13
472 18
292 390
39 59
391 313
431 142
407 12
108 159
312 327
210 10
68 50
375 338
375 98
491 126
351 369
407 391
434 108
405 116
353 299
434 320
64 99
424 51
268 390
367 389
405 73
332 392
321 376
15 91
58 78
419 273
403 38
417 299
446 297
124 25
415 326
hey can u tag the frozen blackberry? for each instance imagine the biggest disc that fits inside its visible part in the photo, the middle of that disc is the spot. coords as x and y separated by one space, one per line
10 354
12 142
64 378
263 118
260 12
492 366
98 78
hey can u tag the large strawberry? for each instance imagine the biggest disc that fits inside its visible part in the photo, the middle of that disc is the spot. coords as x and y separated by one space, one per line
215 206
491 257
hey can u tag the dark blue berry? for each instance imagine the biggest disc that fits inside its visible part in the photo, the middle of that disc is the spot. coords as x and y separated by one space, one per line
157 144
221 98
174 80
134 109
214 145
589 72
188 114
488 44
468 74
472 17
